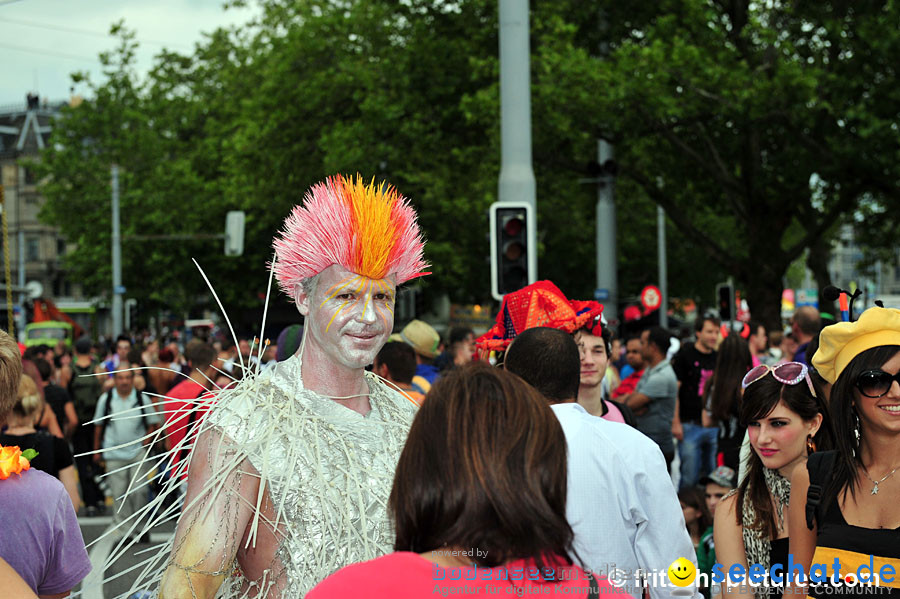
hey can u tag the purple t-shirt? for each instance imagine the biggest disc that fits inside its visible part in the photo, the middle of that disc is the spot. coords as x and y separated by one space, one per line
39 534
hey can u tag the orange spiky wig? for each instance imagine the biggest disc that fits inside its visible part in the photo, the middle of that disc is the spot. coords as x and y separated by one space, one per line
370 230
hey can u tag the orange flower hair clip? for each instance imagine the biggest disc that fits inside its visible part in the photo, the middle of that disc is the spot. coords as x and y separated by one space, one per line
14 461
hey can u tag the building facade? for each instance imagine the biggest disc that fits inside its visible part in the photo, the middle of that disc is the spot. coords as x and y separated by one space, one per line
35 248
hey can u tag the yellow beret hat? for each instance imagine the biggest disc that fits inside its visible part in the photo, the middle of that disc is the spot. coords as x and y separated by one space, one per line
841 342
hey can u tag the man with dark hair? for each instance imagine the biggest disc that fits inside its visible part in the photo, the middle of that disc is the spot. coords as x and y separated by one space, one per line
124 416
84 390
183 407
594 392
123 346
460 349
653 399
641 524
396 362
548 361
759 343
635 360
805 325
58 399
693 365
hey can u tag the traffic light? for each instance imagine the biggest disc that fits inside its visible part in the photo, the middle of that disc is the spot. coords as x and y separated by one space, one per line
511 260
725 299
234 233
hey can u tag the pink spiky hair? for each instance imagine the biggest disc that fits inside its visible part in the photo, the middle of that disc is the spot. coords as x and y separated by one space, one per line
370 230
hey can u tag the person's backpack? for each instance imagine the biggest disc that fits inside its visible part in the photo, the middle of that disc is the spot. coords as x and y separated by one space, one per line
820 465
84 390
108 410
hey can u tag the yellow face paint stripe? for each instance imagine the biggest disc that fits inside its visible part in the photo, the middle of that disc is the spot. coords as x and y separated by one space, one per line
366 291
344 284
341 309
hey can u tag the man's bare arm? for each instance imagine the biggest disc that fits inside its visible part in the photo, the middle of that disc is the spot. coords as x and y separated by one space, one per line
222 490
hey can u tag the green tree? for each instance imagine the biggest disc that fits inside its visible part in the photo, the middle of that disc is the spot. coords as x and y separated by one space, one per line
757 126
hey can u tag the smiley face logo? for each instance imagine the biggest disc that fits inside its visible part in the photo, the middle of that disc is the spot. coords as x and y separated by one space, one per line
682 572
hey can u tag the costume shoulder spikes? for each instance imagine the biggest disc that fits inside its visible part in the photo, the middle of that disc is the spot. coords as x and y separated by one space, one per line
370 230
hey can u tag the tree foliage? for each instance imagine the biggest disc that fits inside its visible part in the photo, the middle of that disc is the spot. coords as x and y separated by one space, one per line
757 126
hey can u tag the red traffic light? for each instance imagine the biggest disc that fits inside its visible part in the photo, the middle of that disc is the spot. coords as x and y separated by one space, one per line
513 226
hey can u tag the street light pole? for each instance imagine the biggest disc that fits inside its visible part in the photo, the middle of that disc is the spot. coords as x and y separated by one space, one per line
517 183
607 278
663 275
116 256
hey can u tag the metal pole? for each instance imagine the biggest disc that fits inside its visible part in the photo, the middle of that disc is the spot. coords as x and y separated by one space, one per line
116 256
663 276
517 183
607 278
20 242
11 325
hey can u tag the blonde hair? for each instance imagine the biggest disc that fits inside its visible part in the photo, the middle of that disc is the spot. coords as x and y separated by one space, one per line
28 398
10 372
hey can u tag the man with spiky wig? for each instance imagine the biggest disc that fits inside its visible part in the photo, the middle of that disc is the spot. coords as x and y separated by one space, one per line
290 472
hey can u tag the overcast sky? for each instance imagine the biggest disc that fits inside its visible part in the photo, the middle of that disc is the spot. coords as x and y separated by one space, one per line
43 41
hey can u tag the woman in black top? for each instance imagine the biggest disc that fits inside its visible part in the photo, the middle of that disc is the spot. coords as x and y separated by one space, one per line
54 456
857 517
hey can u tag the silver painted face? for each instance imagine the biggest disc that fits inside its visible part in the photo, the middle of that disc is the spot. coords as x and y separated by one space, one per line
348 316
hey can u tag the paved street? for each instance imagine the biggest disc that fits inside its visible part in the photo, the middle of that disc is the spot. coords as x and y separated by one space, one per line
100 550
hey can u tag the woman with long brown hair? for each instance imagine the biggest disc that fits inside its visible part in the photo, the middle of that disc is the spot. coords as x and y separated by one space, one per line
722 398
786 420
479 498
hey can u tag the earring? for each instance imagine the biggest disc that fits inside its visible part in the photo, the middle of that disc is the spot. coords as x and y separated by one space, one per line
810 445
855 432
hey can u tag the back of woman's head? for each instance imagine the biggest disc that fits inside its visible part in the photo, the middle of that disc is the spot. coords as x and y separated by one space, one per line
484 466
28 400
732 363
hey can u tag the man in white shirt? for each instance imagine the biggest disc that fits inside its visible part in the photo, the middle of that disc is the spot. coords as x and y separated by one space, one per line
621 502
124 417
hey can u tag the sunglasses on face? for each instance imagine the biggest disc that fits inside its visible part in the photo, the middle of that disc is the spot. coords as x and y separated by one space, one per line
789 373
876 383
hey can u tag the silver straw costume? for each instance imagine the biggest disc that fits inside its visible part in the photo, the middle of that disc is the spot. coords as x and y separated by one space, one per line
328 471
325 474
287 485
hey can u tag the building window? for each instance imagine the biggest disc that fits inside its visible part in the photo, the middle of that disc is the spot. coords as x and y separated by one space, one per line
32 249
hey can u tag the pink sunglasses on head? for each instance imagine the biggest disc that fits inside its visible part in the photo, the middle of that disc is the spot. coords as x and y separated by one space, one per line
789 373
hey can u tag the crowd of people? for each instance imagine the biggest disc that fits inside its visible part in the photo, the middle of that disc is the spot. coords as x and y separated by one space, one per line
545 456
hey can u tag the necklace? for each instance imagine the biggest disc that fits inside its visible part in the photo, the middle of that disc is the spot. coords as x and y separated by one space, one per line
877 482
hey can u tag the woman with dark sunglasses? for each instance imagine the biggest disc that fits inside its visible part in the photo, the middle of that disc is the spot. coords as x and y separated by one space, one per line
845 504
785 421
